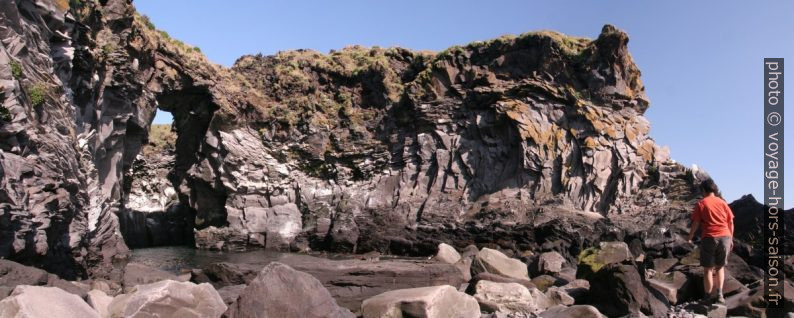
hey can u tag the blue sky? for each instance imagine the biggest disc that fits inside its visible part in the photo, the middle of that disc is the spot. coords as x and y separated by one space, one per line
701 60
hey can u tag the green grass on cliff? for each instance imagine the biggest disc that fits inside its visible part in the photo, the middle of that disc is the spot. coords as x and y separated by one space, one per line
324 90
161 139
38 94
16 69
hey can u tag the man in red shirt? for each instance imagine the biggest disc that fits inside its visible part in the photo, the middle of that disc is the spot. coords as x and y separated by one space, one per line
714 218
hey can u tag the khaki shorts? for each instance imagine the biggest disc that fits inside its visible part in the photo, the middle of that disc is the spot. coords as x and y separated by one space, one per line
714 251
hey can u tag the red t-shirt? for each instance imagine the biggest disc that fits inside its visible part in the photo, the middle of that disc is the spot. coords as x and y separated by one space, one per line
715 217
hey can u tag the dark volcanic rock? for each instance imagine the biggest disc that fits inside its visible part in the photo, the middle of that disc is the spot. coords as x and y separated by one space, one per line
174 226
13 274
749 221
280 291
618 290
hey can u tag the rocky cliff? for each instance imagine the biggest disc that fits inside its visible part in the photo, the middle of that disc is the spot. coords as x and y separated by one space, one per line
521 141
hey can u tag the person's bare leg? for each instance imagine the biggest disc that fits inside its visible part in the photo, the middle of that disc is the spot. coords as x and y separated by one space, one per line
720 281
708 280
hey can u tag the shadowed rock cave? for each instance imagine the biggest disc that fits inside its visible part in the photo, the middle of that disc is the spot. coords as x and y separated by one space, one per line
162 200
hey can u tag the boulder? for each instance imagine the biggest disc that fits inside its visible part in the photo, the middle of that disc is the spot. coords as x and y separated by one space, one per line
549 263
431 302
692 258
168 298
139 274
509 298
466 259
492 261
447 254
281 291
542 301
593 259
13 274
497 279
576 311
709 311
543 282
662 265
693 288
617 290
50 302
229 294
670 285
741 271
559 296
578 289
750 302
100 301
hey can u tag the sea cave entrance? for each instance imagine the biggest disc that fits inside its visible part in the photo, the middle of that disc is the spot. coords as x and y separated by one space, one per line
156 208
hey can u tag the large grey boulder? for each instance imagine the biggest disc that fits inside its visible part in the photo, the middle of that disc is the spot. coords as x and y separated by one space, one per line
669 285
559 296
139 274
507 298
46 302
431 302
549 263
447 254
576 311
169 298
280 291
492 261
229 294
100 301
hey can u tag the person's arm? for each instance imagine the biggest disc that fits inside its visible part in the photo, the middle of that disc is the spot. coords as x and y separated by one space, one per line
730 223
695 223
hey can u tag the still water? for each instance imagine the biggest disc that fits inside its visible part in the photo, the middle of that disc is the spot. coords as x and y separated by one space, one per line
174 258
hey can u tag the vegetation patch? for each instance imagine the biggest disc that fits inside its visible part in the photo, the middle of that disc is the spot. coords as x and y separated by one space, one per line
161 139
38 94
5 115
147 22
16 69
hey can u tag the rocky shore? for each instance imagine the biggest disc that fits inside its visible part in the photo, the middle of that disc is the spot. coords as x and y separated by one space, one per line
607 280
514 177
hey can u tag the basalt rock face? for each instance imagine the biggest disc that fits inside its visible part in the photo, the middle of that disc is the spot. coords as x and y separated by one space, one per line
518 142
401 147
80 88
51 209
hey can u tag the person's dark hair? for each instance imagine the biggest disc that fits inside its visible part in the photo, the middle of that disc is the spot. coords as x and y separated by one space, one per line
708 186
